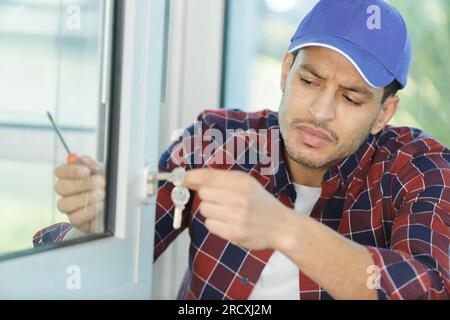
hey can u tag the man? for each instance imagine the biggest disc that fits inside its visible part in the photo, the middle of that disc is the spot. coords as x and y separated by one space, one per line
353 209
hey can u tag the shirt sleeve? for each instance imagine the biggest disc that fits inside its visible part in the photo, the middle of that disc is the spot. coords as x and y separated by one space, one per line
51 235
416 266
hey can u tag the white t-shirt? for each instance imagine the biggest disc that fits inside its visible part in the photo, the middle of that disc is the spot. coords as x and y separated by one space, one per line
280 277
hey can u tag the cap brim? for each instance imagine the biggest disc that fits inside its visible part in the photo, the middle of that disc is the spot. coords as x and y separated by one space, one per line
370 69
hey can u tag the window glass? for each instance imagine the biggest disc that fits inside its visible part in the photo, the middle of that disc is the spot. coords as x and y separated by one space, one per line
259 33
51 59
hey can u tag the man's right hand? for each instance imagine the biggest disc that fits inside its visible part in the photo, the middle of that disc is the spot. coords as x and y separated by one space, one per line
83 193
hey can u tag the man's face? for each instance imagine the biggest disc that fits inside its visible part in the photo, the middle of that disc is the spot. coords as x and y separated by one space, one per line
327 110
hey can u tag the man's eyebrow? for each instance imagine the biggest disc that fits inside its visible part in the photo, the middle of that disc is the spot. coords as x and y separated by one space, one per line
312 70
360 90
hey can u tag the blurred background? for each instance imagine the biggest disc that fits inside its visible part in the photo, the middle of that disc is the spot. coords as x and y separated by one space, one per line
259 32
51 59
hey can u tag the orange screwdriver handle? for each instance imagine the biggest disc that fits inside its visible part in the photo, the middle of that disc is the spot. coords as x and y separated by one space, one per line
73 159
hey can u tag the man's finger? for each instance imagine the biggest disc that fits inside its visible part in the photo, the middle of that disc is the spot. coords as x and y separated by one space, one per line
214 211
89 162
195 179
72 171
83 216
220 229
80 201
222 196
67 187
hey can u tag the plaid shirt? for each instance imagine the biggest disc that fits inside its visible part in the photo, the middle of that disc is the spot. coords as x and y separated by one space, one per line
392 196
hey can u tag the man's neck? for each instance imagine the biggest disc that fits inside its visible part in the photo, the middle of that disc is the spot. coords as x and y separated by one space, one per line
303 175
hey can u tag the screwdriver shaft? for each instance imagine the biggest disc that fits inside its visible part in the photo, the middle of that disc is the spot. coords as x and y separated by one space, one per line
58 133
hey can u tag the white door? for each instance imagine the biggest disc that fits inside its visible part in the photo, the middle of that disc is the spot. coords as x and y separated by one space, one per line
118 262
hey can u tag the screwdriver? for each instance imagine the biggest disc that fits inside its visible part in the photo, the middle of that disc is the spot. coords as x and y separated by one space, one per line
72 158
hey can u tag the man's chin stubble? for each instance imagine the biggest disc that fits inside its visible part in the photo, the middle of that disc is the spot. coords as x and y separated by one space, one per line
311 163
308 162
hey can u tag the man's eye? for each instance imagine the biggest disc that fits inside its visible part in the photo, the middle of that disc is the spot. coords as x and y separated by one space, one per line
352 101
307 82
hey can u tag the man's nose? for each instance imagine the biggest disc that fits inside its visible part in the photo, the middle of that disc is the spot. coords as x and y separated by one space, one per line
324 107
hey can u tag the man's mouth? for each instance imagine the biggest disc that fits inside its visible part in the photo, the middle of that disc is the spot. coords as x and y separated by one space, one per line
313 137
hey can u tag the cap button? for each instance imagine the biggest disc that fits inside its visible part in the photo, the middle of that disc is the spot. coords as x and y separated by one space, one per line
244 281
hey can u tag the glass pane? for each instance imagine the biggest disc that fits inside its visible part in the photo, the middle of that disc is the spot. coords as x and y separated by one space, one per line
259 33
50 60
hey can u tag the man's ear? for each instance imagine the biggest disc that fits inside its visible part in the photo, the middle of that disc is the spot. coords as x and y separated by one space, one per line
387 112
287 65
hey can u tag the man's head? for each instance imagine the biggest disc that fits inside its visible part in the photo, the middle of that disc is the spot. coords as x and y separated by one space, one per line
323 91
339 87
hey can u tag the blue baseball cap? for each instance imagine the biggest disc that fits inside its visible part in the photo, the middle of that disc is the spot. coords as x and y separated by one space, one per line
371 34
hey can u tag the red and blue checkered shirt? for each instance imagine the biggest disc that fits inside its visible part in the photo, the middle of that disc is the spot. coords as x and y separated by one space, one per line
392 196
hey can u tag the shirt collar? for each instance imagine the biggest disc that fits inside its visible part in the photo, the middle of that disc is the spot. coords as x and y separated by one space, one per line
358 161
